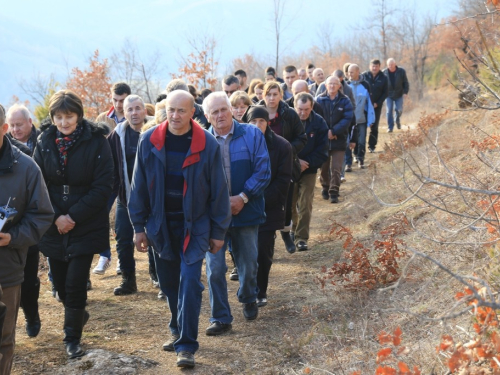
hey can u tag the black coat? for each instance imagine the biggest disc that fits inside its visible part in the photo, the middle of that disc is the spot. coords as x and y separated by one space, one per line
280 155
89 175
401 86
338 116
316 150
379 87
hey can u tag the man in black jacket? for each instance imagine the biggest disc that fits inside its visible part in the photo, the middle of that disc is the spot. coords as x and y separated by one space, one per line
379 89
22 129
24 190
398 86
312 157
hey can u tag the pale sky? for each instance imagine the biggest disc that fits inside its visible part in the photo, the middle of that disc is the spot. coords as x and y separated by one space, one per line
48 36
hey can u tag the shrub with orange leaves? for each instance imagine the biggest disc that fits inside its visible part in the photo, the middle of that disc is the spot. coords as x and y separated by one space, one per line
367 267
482 353
388 358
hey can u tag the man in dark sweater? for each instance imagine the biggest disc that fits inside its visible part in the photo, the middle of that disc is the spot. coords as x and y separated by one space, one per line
379 90
311 157
398 86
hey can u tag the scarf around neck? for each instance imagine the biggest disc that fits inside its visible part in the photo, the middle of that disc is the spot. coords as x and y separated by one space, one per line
65 142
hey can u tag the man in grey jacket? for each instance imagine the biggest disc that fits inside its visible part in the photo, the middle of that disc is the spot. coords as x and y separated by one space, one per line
23 188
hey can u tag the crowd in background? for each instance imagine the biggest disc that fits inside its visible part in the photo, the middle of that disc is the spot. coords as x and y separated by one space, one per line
190 177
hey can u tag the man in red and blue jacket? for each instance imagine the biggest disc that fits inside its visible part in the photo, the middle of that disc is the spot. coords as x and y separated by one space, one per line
179 203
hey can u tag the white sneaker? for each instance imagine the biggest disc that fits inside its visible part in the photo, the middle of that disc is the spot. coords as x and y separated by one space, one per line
102 265
118 269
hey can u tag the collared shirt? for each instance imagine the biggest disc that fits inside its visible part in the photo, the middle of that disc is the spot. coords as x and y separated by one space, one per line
224 141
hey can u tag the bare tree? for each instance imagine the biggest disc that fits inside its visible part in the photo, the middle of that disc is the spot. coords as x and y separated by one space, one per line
142 74
380 23
325 36
278 14
37 87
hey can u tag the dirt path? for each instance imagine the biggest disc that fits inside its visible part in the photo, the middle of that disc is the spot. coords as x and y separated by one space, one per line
137 325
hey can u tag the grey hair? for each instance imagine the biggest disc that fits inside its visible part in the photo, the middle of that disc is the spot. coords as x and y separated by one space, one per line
2 115
318 70
133 98
18 107
390 59
176 84
332 77
215 95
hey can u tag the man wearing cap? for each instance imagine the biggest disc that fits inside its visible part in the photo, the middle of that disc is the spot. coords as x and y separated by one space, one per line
280 155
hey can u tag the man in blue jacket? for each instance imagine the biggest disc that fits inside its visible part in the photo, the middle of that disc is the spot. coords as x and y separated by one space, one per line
248 172
365 115
179 203
311 157
338 112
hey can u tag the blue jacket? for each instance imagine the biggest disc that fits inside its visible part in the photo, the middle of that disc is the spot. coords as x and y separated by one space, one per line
338 116
207 212
250 172
364 111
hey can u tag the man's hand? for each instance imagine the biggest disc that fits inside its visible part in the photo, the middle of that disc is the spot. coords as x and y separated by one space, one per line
375 105
141 242
5 239
352 145
237 204
64 224
215 245
330 135
303 165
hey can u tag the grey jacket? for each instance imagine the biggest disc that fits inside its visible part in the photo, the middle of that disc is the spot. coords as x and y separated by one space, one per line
21 180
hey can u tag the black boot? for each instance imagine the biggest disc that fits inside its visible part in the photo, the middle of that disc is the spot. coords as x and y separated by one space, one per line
29 304
74 320
128 285
287 239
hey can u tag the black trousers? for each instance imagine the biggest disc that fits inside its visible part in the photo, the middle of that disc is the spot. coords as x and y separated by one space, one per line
70 279
30 288
265 260
3 313
372 140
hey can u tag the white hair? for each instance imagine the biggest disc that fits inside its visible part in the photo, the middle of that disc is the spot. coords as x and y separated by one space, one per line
133 98
210 98
18 107
390 60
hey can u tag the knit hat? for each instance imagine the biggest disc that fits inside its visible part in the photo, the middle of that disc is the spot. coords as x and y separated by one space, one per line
257 112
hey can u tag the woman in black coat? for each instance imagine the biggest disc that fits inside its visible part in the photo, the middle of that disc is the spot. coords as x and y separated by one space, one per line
76 163
285 122
280 155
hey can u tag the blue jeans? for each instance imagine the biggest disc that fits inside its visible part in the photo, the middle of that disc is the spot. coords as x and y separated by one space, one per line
124 239
360 149
181 284
244 242
399 111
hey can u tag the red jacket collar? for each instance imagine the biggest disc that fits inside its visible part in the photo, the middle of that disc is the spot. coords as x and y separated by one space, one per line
197 144
110 112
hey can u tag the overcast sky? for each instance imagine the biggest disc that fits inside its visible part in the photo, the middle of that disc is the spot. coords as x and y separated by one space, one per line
48 36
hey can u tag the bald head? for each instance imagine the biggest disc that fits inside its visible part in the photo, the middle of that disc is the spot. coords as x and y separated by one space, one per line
299 86
180 109
318 75
354 72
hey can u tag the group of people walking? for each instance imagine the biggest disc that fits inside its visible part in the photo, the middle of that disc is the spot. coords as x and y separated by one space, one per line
196 177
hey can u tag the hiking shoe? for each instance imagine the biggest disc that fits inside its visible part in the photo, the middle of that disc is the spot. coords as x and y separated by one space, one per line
334 199
250 310
389 130
302 246
118 268
169 345
234 274
33 326
128 284
185 359
218 328
102 265
372 150
161 295
399 126
324 194
261 302
348 168
342 180
356 160
362 166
